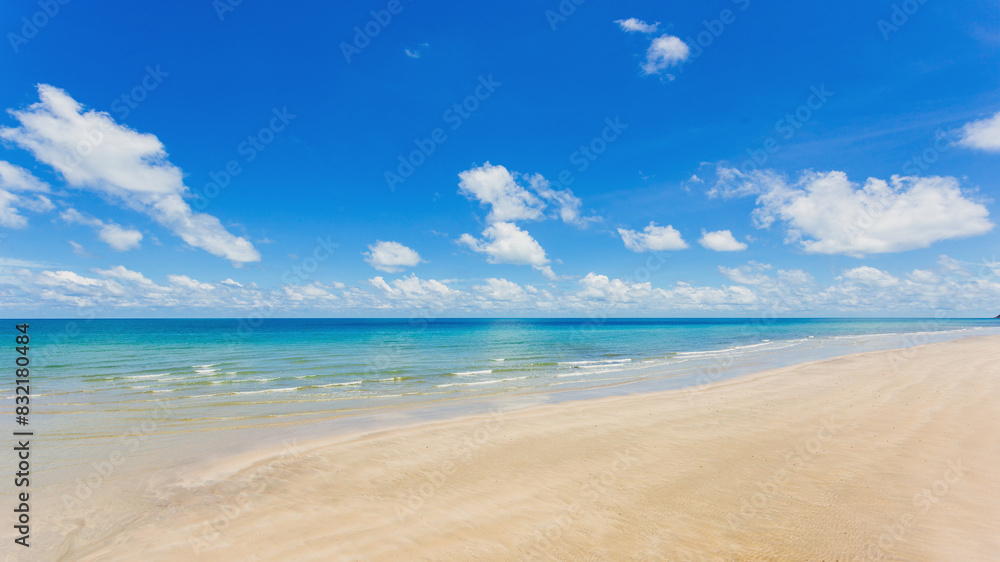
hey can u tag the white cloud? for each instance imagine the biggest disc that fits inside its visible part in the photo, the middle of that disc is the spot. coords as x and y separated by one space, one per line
79 250
750 274
504 242
314 293
17 179
122 274
415 289
826 213
731 182
653 238
232 283
794 277
687 296
495 186
664 52
414 54
721 241
870 276
633 25
391 257
759 289
983 134
14 262
600 287
568 204
118 237
189 283
71 287
501 290
508 200
93 152
923 276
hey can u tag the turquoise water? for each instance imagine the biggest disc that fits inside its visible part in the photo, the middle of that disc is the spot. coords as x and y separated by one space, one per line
337 364
163 385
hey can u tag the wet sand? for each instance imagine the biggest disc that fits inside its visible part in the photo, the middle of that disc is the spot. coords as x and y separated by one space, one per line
889 455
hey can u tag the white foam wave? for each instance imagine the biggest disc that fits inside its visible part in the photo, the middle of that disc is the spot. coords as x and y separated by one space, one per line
495 381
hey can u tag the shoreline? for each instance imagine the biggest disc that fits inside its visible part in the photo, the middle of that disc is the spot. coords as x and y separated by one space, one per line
346 425
832 462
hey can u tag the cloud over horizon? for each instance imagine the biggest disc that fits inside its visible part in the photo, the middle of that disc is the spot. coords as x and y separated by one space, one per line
826 213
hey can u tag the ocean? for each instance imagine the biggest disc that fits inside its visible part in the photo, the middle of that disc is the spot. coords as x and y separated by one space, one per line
173 385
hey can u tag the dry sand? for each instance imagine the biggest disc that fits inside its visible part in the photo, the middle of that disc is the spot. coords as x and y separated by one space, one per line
886 455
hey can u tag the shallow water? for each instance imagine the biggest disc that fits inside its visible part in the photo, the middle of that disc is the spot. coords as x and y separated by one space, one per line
158 390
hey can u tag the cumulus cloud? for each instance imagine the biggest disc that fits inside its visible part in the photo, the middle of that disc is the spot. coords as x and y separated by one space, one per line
665 51
17 179
870 276
315 293
414 289
983 134
189 283
601 287
504 242
495 186
508 200
633 25
123 274
653 238
118 237
826 213
501 290
391 257
721 241
758 288
93 152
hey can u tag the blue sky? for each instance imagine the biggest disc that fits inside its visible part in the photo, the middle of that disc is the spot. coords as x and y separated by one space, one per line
309 118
